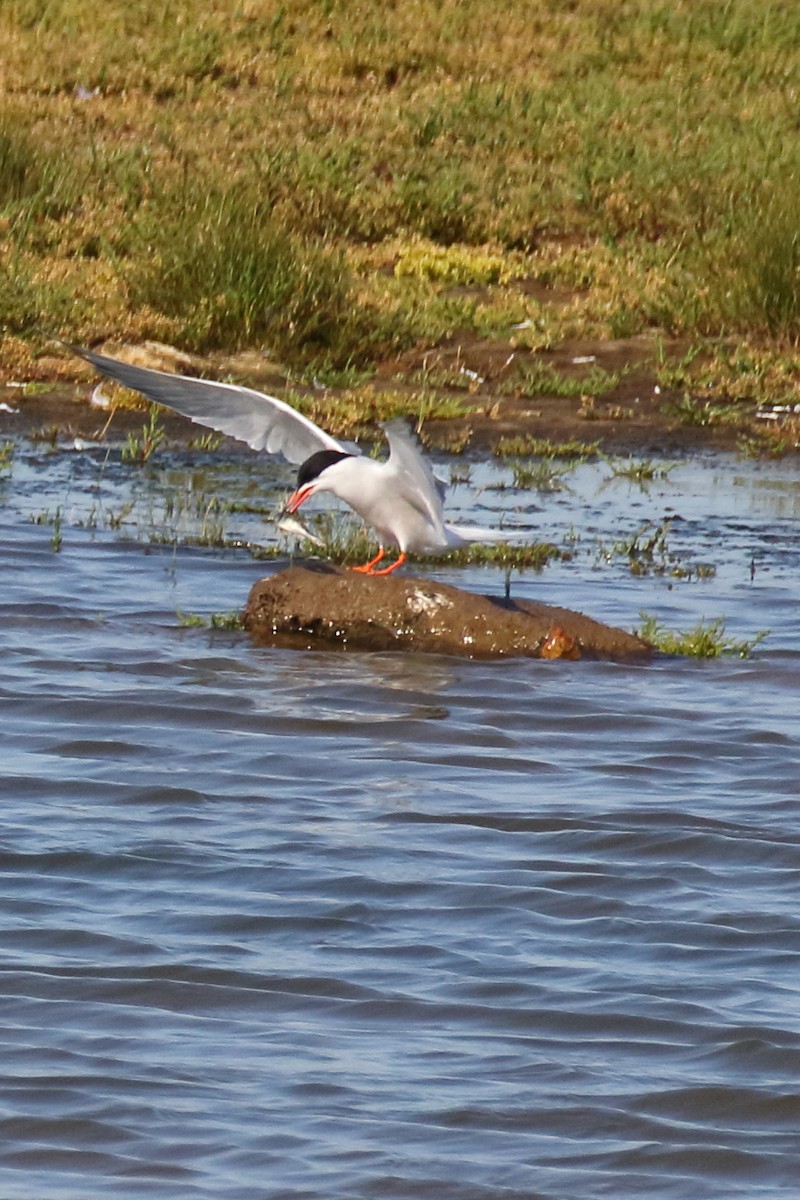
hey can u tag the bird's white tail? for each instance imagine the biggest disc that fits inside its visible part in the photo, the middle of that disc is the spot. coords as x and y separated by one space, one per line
466 535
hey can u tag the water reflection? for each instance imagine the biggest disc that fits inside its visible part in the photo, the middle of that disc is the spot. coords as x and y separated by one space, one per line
778 497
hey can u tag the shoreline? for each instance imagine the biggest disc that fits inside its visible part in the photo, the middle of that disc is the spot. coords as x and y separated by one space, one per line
635 416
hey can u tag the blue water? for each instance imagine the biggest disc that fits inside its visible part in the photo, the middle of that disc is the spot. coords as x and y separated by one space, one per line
282 925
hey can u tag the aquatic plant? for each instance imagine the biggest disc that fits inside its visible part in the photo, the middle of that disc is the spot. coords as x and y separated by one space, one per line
646 552
55 520
115 519
191 620
642 471
206 441
533 556
346 542
460 473
231 621
540 476
56 538
526 445
707 639
140 449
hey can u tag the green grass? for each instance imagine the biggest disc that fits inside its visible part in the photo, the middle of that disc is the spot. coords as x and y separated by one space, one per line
355 411
228 273
337 183
536 378
463 266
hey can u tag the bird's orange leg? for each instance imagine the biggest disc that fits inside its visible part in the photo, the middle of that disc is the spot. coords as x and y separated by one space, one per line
366 568
393 567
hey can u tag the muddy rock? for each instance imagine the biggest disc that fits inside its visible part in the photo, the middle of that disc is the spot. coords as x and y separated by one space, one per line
326 606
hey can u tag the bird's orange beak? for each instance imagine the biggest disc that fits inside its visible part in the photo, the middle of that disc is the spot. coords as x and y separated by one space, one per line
297 498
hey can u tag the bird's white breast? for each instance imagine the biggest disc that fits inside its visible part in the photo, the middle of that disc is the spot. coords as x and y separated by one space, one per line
377 493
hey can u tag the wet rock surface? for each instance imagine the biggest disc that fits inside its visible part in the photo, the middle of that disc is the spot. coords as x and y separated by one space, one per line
324 606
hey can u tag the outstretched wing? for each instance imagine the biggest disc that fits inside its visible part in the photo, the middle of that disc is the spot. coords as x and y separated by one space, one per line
420 486
262 421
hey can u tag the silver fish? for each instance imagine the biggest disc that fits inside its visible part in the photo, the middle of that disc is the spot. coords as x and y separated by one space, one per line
295 528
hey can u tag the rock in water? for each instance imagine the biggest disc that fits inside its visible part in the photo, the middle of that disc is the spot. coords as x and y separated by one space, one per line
325 606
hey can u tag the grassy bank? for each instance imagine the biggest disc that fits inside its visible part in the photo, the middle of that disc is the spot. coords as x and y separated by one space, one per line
340 183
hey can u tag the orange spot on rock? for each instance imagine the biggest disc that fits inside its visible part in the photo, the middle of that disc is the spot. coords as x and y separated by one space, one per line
559 644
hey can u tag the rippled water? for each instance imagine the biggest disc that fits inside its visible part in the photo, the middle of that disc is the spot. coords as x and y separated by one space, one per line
301 925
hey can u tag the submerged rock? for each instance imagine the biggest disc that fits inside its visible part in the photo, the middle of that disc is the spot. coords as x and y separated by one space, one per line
325 606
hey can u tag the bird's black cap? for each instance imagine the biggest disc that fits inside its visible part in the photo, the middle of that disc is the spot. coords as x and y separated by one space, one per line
315 465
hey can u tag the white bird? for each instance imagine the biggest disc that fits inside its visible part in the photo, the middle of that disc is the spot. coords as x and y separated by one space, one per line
400 498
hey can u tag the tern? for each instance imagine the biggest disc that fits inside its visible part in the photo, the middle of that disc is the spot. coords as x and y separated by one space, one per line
400 498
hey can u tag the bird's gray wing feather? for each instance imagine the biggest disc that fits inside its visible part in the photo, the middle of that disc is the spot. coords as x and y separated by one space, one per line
262 421
423 490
